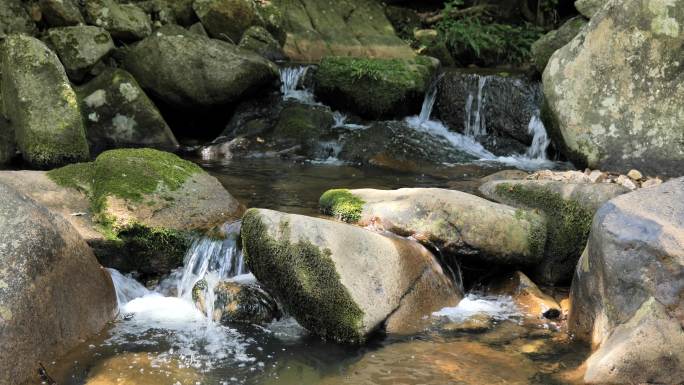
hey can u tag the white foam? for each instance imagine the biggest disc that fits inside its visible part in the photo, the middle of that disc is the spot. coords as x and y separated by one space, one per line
497 307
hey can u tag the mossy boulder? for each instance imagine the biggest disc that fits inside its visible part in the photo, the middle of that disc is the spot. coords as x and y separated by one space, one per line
80 47
543 48
611 109
53 293
61 13
149 204
569 209
226 19
461 225
320 28
197 72
119 114
375 88
15 19
627 290
259 40
303 125
588 8
41 104
339 281
126 22
236 302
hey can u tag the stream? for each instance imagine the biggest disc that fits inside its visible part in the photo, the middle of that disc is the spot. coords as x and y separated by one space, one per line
161 338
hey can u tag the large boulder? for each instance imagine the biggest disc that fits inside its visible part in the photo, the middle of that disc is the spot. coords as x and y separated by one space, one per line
496 108
80 48
226 19
543 48
41 104
569 209
14 19
61 13
321 28
611 109
628 291
459 224
375 88
53 293
259 40
145 205
119 114
195 71
126 22
339 281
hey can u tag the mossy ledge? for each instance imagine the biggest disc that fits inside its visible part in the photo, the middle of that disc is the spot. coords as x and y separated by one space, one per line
304 279
342 204
568 226
132 175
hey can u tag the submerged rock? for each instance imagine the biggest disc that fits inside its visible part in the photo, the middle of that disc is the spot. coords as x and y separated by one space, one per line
375 88
194 71
627 290
319 28
123 21
339 281
79 48
459 224
61 13
148 204
53 293
527 295
543 48
569 209
119 114
237 303
613 110
40 104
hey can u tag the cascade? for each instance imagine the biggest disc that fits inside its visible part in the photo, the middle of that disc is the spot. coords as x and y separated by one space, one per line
475 124
540 139
290 81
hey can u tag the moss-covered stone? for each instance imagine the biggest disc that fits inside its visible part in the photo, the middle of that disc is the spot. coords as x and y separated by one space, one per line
543 48
259 40
61 13
226 19
300 124
568 227
123 21
374 87
305 279
80 47
341 204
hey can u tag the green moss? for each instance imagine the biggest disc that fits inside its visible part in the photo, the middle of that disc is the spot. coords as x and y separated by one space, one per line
303 277
303 124
374 86
78 176
568 221
342 204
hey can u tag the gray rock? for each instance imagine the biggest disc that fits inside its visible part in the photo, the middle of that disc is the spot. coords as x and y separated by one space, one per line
543 48
588 8
119 114
459 224
237 303
61 13
8 147
14 19
627 290
226 19
53 293
40 104
611 110
194 71
259 40
123 21
79 48
340 281
569 209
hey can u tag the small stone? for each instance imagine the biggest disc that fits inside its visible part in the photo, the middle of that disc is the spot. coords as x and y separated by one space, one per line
653 182
597 176
635 175
626 182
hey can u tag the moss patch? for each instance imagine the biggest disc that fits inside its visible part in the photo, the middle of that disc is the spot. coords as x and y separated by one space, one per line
569 222
342 204
79 176
303 277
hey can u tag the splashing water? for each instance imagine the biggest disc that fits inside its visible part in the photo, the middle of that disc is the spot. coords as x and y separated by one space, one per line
540 139
475 124
496 307
290 82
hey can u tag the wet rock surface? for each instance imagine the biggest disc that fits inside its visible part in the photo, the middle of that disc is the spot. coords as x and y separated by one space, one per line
237 303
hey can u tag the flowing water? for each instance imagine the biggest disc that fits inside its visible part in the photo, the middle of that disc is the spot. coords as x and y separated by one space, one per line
160 337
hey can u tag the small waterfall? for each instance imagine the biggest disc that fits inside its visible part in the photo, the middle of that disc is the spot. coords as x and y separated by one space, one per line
475 124
290 82
429 101
540 139
127 288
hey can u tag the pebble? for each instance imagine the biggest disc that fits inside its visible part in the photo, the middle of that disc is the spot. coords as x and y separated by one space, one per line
627 182
635 175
